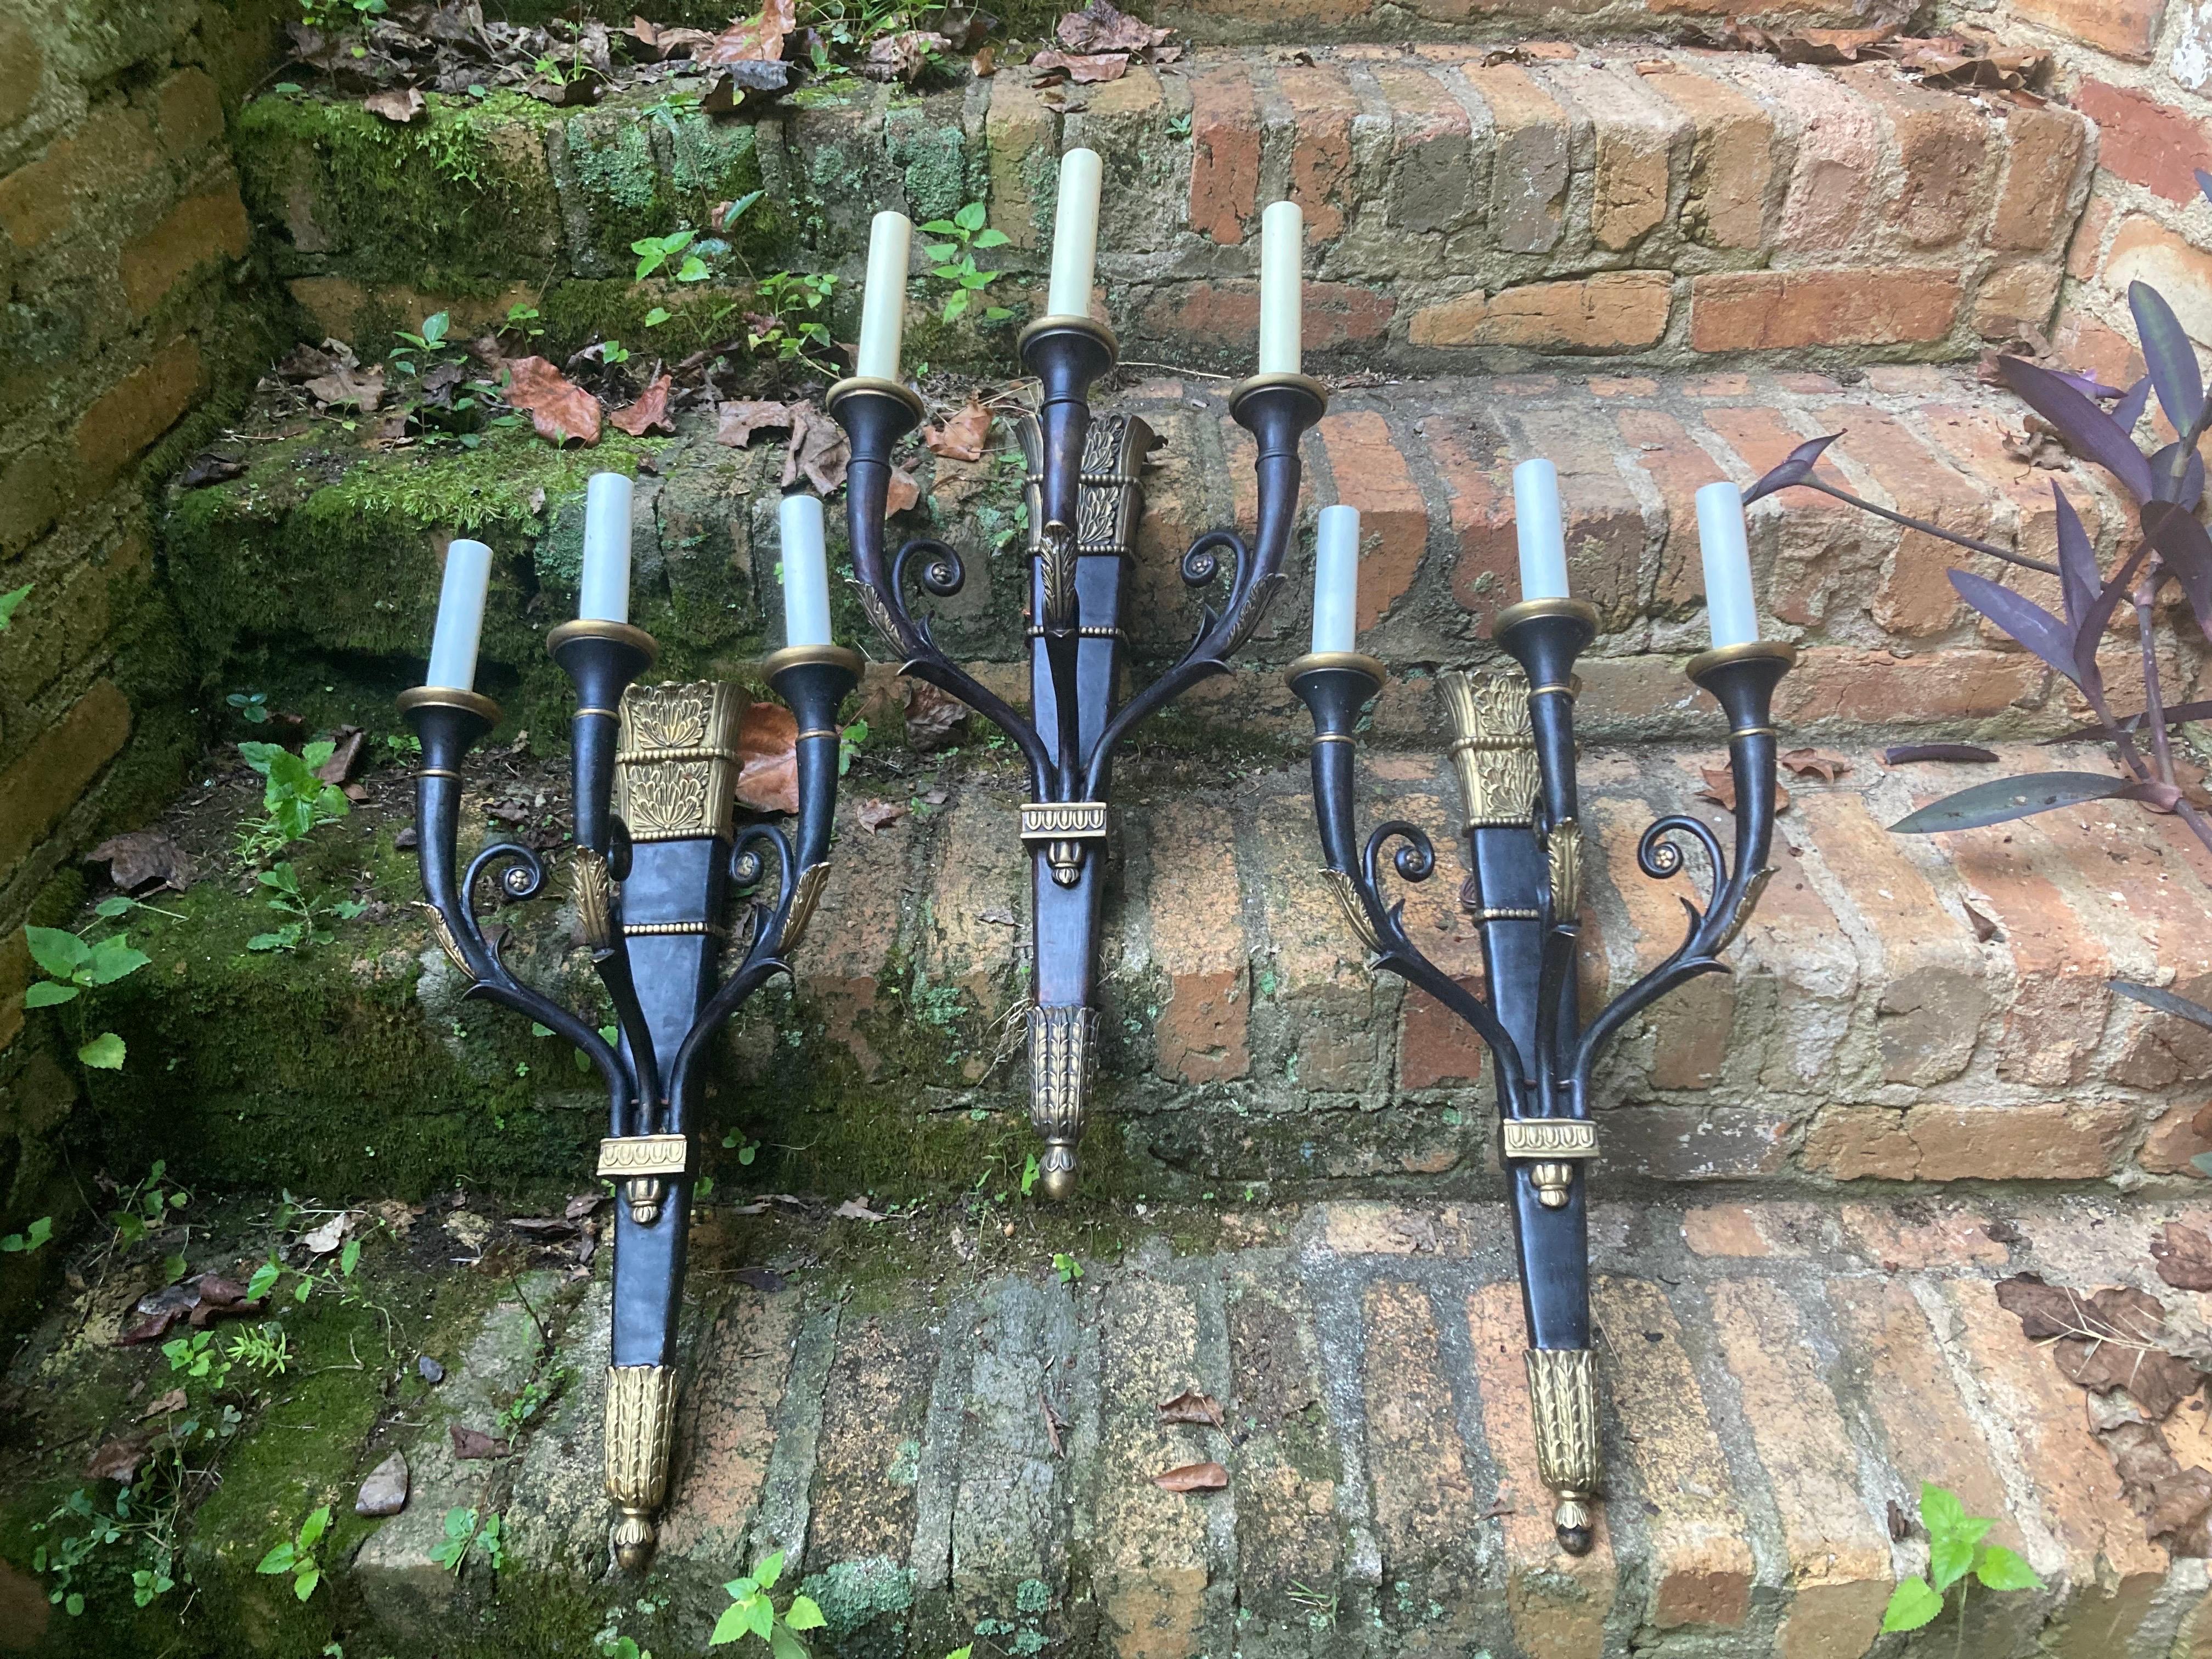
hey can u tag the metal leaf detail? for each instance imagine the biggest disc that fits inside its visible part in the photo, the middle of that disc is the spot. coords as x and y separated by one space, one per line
1346 891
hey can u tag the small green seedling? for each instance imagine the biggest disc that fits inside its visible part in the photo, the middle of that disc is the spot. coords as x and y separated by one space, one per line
750 1613
1956 1555
72 967
252 707
9 600
305 914
29 1239
655 252
468 1530
956 261
1066 1267
296 1555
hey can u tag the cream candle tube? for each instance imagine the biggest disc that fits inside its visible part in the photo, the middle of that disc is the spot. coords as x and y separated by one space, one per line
1282 287
883 304
1731 608
1074 235
1336 577
460 617
605 585
806 572
1540 530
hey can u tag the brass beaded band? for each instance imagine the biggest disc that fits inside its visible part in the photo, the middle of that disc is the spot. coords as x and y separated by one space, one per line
436 772
1755 732
604 714
818 732
1333 736
1567 691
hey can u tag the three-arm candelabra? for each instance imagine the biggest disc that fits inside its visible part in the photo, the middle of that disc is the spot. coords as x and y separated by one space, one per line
1513 748
657 857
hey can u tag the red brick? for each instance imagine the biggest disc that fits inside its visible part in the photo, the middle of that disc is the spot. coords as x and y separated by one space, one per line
1020 129
1605 527
2143 250
1322 109
1225 317
109 152
1636 135
1731 161
52 776
1975 437
1476 466
1531 163
1752 1232
1761 310
2145 140
1615 312
1951 1239
2126 29
1916 597
1839 146
123 421
1967 1143
1198 942
195 231
1839 682
23 68
1369 474
1823 553
1436 1046
2043 152
1678 467
848 946
1425 1502
2085 246
731 1426
1943 149
1225 157
1432 173
1690 1029
188 110
2176 1140
2016 301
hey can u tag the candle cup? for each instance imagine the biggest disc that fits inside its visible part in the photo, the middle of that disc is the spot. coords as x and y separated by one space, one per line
1074 235
883 306
1540 530
1336 577
806 572
461 616
604 595
1282 288
1731 608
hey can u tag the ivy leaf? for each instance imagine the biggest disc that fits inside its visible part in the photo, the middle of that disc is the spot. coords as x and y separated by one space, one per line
1911 1605
803 1614
104 1053
279 1560
2001 1570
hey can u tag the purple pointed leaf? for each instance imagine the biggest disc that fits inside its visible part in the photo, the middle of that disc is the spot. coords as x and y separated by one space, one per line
2002 799
2087 431
2172 359
2164 1000
2187 550
2204 183
2132 402
2020 616
2088 384
1793 468
2186 490
2078 579
2092 630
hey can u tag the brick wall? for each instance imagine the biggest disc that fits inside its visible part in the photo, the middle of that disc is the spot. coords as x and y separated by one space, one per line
122 232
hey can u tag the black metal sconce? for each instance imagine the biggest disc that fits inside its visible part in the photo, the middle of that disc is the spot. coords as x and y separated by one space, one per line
1085 501
657 858
1514 751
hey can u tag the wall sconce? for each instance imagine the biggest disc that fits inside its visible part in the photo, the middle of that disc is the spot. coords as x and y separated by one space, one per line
657 859
1513 748
1085 500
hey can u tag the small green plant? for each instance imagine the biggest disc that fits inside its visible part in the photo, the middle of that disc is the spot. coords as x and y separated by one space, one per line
252 707
956 261
145 1205
788 330
1956 1555
750 1613
29 1239
468 1531
537 1394
71 965
11 601
743 1145
265 1349
296 1554
431 345
849 745
293 800
655 252
306 911
1069 1269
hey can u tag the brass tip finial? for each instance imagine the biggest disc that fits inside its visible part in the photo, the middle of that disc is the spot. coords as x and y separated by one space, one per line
633 1539
1574 1524
1056 1172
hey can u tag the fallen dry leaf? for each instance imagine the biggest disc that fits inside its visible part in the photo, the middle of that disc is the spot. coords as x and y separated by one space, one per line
399 106
2107 1340
2170 1499
2184 1257
1053 1423
932 715
1985 929
903 492
1904 753
650 412
818 449
1099 27
767 759
328 1236
1084 69
739 420
472 1443
659 44
557 406
852 1210
118 1459
1192 1406
1815 762
755 39
210 468
1192 1477
138 856
875 815
902 56
346 386
345 756
162 1404
1720 789
961 438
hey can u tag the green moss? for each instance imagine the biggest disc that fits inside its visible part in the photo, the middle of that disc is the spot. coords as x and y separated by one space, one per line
853 1594
932 161
646 172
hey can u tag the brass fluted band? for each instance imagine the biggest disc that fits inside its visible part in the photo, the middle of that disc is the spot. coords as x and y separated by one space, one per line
448 696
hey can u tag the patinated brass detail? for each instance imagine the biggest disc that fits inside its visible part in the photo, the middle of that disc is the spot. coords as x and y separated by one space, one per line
676 770
1346 891
1550 1145
1563 1401
1056 565
1063 1054
446 942
1493 747
643 1164
594 893
1752 889
1064 826
1109 499
805 893
880 614
640 1428
1563 850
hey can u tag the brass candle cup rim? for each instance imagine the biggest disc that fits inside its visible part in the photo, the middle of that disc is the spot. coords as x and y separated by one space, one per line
1357 661
596 628
855 386
1530 610
1069 323
1705 662
449 696
1258 383
798 656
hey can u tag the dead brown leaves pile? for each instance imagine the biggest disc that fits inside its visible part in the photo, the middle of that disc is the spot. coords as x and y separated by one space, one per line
1815 763
1961 60
140 857
817 450
559 408
649 413
1099 43
767 759
1720 789
333 376
962 437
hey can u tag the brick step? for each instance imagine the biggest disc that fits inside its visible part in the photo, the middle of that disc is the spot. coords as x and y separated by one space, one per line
1642 204
1779 1379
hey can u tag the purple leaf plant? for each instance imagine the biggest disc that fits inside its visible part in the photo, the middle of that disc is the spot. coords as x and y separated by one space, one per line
2171 546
